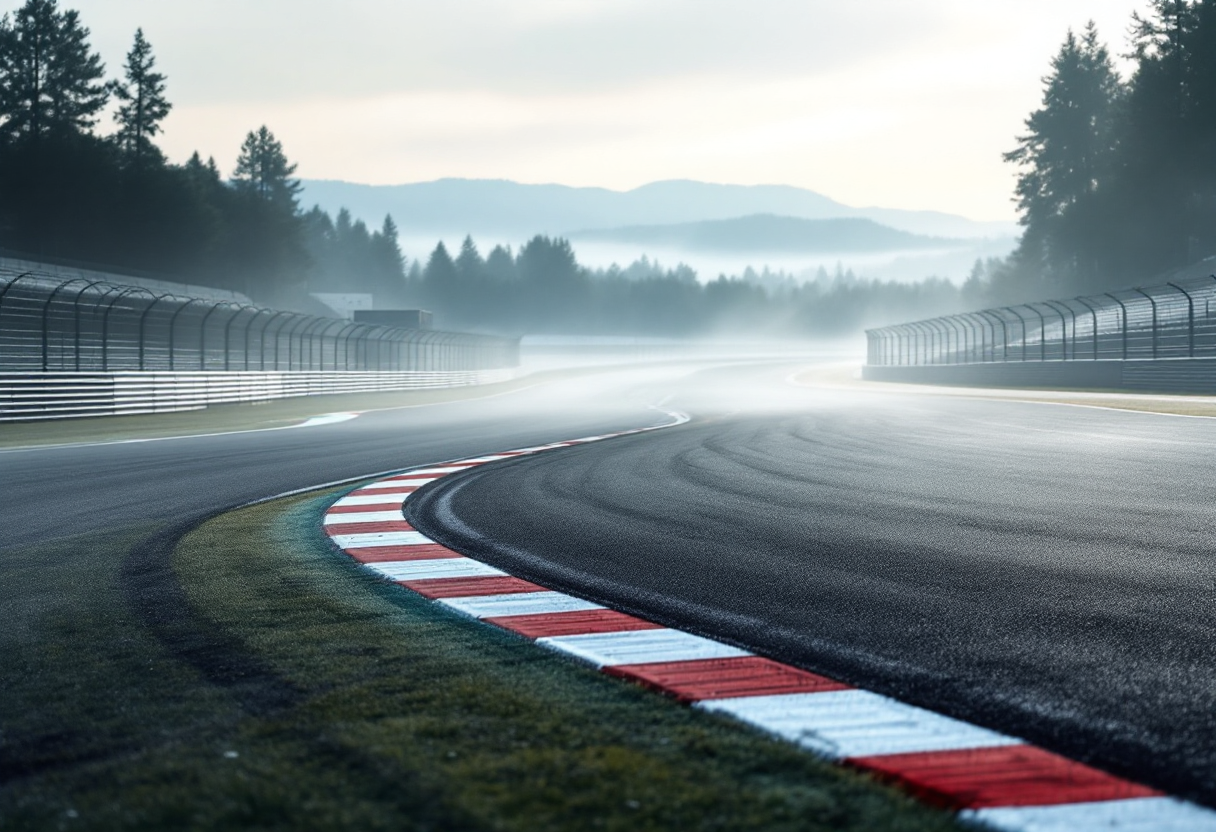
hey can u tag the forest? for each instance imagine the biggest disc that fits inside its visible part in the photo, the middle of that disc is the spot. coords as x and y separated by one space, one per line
1117 177
1116 184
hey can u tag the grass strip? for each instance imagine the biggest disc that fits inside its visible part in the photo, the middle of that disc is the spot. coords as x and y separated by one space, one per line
407 717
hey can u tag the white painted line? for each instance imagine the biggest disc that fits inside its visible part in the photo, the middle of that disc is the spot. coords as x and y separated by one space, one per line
1144 814
369 539
421 570
404 483
327 419
356 498
640 647
482 459
365 517
855 723
521 603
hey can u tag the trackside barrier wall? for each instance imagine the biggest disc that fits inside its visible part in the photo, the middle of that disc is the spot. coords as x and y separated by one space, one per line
1153 338
34 396
58 324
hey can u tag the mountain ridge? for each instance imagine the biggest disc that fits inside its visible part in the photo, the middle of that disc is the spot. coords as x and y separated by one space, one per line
504 208
773 233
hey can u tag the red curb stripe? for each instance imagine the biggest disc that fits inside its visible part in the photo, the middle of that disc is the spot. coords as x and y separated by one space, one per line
374 526
693 681
571 623
1001 778
387 554
389 506
1011 775
471 587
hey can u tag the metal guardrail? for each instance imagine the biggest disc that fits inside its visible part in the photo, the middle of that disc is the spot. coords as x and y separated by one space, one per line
36 396
50 323
1173 320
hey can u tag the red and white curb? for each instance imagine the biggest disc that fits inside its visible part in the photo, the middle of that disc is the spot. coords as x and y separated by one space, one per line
991 779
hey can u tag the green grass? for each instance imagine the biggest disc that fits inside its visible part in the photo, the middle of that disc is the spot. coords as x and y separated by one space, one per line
288 689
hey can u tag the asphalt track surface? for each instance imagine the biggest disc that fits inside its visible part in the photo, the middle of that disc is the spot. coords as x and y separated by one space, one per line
58 492
1043 570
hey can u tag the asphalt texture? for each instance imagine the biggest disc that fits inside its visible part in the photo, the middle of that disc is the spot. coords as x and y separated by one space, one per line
1044 570
57 492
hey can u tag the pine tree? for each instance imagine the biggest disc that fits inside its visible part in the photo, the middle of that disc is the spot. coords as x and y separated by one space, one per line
50 81
439 280
389 261
144 105
469 265
1068 149
263 169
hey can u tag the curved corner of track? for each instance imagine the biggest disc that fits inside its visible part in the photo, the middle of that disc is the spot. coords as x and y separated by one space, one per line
990 779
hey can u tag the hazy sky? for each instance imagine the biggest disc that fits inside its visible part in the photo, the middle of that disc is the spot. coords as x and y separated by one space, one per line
898 103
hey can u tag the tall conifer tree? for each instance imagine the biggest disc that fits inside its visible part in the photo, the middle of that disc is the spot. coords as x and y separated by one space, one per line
262 168
144 105
50 80
1067 151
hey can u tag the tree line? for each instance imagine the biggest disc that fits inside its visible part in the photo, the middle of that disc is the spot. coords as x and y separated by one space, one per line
1117 177
69 192
542 288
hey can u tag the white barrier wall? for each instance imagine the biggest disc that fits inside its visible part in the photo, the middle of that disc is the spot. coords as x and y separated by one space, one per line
34 396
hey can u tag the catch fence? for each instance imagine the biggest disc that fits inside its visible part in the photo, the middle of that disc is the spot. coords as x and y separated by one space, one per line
56 324
1174 320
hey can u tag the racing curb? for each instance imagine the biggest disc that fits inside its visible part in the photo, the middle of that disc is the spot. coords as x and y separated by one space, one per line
992 780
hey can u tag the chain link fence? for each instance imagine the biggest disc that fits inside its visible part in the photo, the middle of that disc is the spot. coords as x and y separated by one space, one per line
53 323
1170 321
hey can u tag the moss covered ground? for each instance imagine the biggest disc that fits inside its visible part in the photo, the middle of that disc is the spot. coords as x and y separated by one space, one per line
259 680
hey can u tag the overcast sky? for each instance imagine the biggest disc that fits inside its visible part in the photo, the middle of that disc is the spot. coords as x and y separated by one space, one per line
897 103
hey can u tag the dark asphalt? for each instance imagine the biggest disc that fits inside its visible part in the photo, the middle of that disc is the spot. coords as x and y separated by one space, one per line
1043 570
51 493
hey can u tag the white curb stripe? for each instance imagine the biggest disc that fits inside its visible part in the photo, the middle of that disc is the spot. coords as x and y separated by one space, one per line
355 498
373 539
1144 814
855 723
422 570
399 484
364 517
640 647
525 603
838 724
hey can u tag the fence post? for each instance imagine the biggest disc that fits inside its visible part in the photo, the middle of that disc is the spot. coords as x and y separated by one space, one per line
1025 330
1154 305
1004 335
1190 329
227 333
1123 310
265 327
105 324
142 320
1094 313
46 307
1063 331
172 329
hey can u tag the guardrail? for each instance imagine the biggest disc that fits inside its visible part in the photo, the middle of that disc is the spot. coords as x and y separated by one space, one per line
34 396
1170 321
50 323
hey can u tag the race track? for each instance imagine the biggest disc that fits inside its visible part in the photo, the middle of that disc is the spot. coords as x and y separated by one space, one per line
1046 571
1043 570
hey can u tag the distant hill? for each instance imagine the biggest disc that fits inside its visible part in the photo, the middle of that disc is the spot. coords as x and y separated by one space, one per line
505 209
766 233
